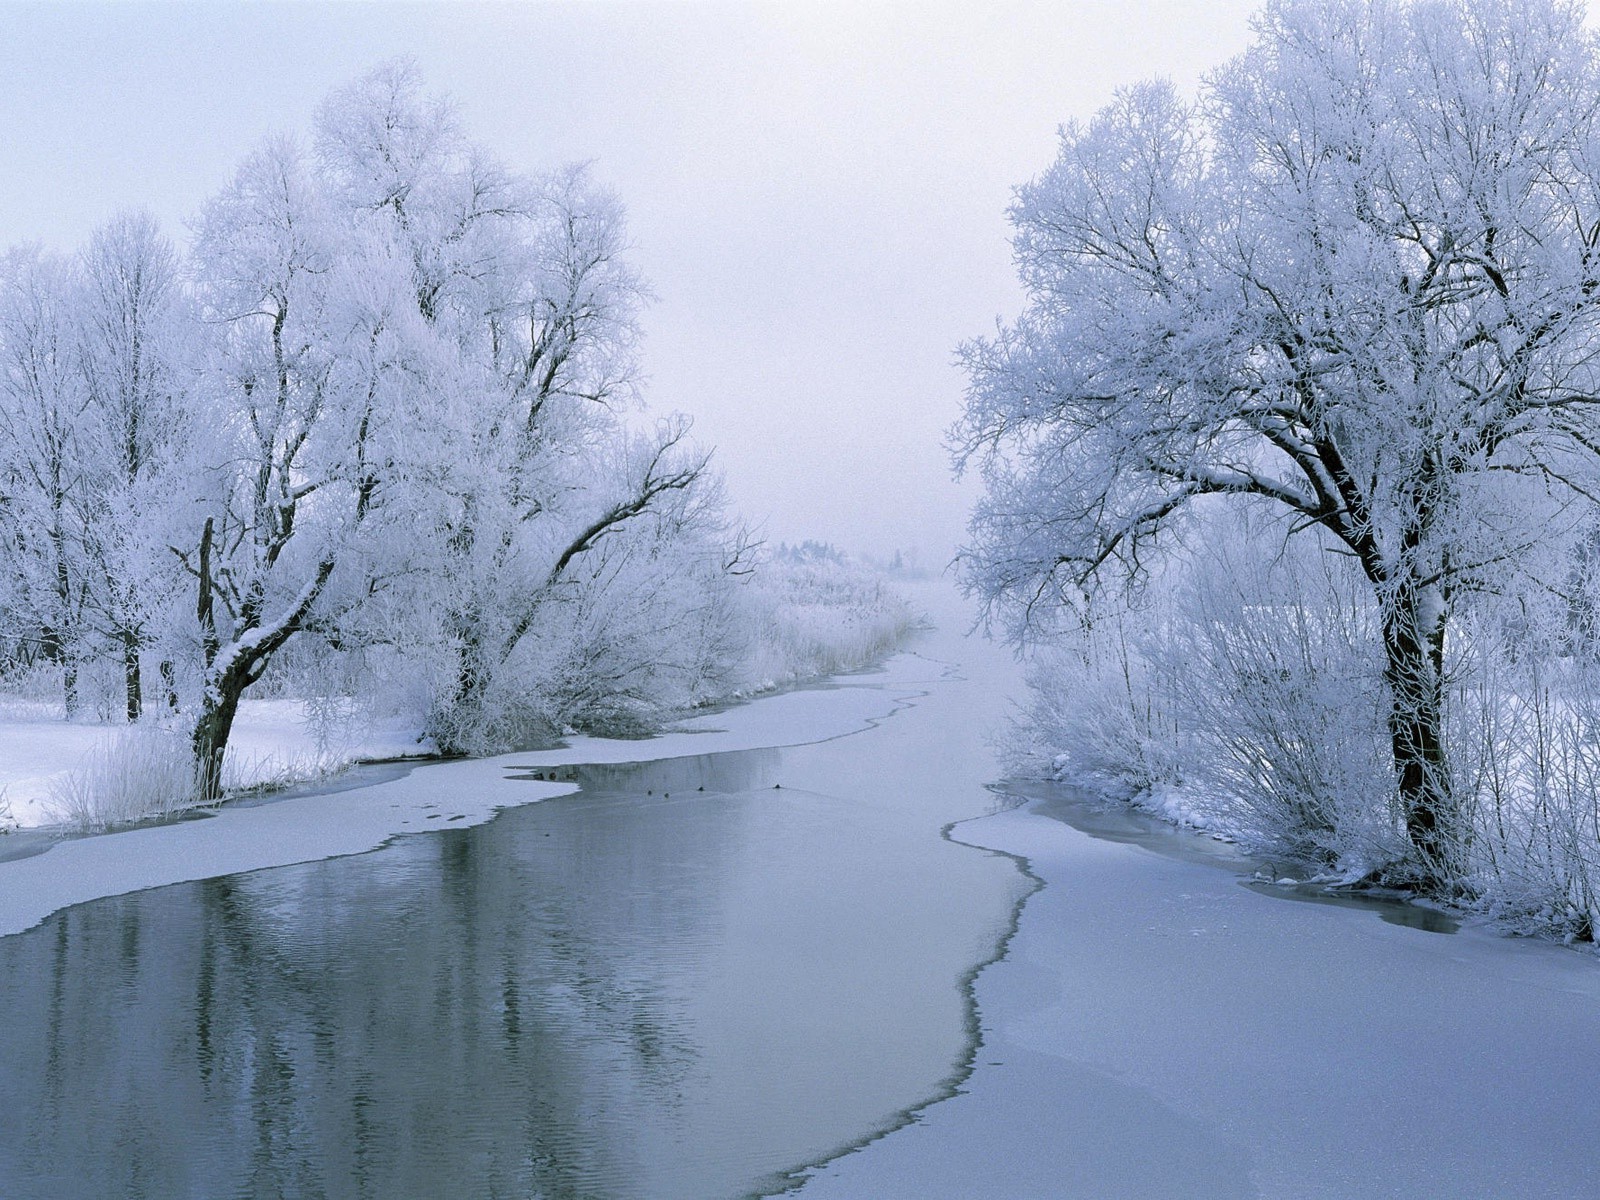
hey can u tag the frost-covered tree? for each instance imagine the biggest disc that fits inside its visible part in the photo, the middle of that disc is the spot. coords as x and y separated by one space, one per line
1359 280
131 331
311 363
43 483
527 285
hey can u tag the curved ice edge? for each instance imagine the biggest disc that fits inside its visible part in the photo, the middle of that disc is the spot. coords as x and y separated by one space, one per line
966 1064
444 795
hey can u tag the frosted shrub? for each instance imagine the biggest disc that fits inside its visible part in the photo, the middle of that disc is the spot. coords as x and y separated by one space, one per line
1526 726
818 617
644 627
1104 712
139 773
1290 714
275 770
1235 700
30 690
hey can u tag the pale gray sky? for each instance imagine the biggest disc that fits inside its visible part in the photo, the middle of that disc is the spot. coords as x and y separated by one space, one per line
816 191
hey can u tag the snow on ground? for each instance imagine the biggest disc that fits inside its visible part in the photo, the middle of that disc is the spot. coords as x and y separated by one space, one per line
1157 1029
326 824
273 740
34 753
279 741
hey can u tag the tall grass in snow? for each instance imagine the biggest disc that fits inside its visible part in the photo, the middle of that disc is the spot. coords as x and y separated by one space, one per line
134 775
146 772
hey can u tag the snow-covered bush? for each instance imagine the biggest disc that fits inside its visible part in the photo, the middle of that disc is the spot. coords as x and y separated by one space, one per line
1236 698
1526 736
1287 705
628 640
1102 710
135 774
642 634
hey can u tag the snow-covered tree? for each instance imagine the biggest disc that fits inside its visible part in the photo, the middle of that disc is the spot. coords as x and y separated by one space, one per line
526 282
307 357
42 475
131 331
1359 280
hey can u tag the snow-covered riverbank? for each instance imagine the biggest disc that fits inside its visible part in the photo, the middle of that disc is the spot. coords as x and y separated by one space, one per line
272 740
326 824
1153 1029
1157 1029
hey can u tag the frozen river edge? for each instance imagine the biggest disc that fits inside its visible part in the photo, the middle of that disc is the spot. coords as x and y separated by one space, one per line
1155 1028
333 822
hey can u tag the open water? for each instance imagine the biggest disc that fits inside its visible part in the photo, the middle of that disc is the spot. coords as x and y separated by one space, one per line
688 979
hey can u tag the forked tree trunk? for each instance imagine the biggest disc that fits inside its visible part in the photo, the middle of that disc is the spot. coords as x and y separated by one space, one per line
243 661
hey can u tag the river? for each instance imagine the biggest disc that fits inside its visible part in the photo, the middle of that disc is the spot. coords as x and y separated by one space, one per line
847 969
686 979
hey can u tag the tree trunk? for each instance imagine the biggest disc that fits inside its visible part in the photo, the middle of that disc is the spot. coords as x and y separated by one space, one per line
130 675
243 663
466 705
1414 670
55 651
211 733
471 684
69 685
169 684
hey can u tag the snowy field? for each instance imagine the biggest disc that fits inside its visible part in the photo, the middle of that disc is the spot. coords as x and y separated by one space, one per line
305 827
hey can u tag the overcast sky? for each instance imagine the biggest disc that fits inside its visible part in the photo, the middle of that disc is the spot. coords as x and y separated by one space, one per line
816 191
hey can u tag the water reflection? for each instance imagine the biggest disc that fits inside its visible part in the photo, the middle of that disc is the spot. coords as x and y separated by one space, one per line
651 988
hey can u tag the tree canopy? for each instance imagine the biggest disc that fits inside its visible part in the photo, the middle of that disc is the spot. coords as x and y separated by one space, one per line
1357 279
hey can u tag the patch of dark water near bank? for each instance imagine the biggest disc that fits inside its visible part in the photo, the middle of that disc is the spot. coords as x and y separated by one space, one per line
25 843
1114 822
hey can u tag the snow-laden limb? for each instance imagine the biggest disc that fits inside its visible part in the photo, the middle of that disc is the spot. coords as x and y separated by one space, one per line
315 826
